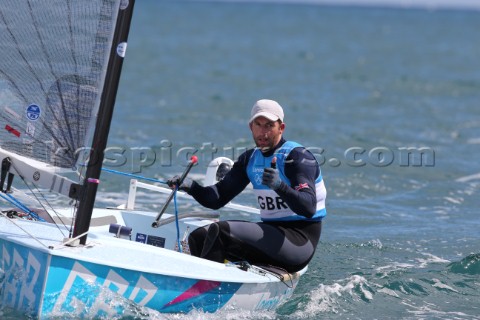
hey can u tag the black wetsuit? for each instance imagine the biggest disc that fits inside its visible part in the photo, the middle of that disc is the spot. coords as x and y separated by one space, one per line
286 244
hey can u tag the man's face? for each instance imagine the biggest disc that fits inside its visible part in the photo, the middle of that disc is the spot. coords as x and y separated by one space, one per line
266 133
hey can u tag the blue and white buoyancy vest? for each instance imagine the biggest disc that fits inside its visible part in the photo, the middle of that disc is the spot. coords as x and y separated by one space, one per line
272 206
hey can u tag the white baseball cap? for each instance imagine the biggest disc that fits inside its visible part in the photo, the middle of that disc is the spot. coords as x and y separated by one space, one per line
267 108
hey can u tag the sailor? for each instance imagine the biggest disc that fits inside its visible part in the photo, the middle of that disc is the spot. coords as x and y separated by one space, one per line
288 185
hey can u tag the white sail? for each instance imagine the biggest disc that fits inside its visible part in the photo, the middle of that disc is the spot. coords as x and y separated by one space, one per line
54 59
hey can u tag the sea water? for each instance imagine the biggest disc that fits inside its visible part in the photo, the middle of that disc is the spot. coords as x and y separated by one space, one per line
388 99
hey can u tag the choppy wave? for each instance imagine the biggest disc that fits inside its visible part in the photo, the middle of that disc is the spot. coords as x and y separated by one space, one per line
468 265
373 277
332 298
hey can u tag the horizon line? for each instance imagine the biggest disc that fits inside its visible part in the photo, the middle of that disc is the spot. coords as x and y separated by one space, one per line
473 5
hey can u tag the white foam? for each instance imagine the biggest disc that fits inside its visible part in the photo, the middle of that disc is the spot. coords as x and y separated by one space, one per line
221 315
326 297
376 243
394 267
430 259
469 178
389 292
441 285
454 200
428 310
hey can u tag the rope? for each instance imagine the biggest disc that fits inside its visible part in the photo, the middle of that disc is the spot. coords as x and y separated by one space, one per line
38 200
21 206
133 175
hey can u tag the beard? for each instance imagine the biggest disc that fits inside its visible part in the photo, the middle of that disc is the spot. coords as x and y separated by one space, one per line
264 144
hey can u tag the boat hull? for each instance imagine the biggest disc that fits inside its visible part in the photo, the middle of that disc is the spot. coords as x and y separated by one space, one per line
47 282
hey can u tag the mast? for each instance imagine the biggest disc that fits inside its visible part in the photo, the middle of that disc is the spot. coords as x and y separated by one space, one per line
88 191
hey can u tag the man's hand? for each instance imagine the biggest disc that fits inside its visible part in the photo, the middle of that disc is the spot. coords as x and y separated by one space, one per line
185 186
271 178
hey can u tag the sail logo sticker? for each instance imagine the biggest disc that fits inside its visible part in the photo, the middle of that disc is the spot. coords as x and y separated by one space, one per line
122 49
30 129
33 112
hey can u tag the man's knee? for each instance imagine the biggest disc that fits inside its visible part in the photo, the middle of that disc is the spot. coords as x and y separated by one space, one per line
195 241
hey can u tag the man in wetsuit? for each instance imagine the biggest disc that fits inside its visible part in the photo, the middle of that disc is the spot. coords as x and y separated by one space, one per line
288 184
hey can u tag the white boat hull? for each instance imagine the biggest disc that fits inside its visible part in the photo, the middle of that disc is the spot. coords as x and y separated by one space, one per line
45 278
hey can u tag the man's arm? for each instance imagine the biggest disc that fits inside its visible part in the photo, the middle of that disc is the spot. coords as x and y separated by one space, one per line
221 193
301 169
